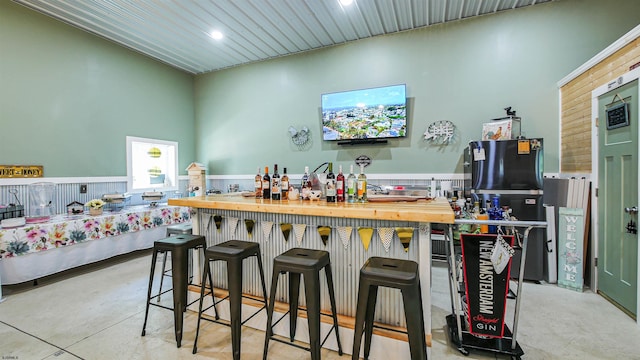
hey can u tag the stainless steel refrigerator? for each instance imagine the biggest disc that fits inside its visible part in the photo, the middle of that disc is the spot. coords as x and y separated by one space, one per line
511 170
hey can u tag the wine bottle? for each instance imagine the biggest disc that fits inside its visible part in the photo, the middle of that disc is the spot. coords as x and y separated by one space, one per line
284 184
351 186
362 185
266 184
331 185
340 185
275 184
258 184
305 186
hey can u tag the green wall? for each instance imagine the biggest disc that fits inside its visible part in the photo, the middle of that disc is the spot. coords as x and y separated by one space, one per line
465 72
68 98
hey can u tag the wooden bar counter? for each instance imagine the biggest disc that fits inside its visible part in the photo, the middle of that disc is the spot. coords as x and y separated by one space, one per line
432 211
250 219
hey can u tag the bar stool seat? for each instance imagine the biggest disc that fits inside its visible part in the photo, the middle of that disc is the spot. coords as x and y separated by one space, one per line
393 273
179 247
306 262
179 229
234 252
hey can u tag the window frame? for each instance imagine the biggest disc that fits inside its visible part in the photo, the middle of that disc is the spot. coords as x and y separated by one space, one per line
130 164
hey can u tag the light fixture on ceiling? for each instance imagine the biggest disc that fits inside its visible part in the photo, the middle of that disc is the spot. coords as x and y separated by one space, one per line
216 34
346 2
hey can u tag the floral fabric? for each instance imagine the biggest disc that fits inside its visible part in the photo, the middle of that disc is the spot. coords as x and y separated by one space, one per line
63 230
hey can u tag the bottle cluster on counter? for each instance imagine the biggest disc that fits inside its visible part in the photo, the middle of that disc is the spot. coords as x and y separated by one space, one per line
466 209
337 188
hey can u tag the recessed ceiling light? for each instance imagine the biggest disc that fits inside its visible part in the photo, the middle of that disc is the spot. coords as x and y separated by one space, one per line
216 34
346 2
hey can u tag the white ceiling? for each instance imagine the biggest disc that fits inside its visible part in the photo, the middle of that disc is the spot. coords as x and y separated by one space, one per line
176 32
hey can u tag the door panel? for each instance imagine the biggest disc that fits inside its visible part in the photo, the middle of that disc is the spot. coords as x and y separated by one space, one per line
618 189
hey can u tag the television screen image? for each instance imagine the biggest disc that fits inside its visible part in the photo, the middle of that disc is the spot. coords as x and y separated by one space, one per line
376 113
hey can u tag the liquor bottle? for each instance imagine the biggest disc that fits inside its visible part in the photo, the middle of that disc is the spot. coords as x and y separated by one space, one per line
362 185
476 208
258 184
266 184
305 186
351 186
331 185
284 185
340 185
275 184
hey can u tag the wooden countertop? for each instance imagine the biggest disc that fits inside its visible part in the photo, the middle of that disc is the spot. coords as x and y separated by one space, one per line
431 211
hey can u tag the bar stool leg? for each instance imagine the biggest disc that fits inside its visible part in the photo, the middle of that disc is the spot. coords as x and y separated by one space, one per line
368 323
234 276
164 264
179 266
412 300
264 286
213 296
154 257
272 300
294 294
332 299
361 314
205 274
312 294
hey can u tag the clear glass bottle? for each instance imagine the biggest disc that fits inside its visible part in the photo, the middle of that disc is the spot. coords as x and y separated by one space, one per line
305 186
258 184
351 186
362 186
284 184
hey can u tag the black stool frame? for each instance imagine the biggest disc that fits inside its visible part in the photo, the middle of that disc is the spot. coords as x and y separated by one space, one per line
179 247
233 252
306 262
181 229
392 273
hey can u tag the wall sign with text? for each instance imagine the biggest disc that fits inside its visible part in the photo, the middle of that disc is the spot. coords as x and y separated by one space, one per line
21 171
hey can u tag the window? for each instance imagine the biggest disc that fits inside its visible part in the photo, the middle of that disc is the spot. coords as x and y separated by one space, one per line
152 165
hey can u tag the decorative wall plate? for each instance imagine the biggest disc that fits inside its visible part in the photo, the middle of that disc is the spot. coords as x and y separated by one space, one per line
299 137
440 132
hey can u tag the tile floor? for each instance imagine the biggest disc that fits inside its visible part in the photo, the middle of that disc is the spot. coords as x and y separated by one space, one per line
97 312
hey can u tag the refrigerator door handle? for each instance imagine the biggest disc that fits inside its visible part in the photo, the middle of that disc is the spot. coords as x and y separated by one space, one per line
507 192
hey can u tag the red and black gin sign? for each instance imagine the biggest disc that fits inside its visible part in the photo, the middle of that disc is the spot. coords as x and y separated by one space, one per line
486 290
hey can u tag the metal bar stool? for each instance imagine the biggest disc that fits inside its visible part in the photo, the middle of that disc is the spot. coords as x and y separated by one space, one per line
179 247
306 262
234 252
393 273
180 229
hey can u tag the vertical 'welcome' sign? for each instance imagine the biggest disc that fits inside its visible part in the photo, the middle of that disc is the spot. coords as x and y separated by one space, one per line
570 248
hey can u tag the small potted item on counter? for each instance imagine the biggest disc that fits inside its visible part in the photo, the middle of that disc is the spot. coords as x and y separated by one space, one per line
95 207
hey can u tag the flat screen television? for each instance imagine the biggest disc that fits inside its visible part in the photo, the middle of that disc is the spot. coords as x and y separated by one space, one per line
366 114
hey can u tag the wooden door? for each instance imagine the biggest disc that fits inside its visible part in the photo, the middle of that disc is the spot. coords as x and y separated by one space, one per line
618 191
